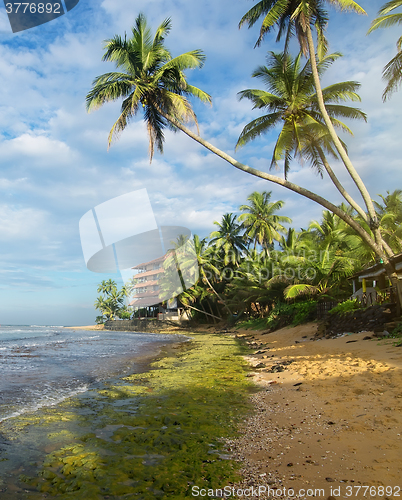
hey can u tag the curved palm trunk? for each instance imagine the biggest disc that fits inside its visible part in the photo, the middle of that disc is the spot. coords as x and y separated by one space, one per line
349 199
216 293
373 220
340 188
211 311
203 312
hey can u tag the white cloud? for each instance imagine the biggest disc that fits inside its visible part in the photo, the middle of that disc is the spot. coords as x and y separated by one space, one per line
21 223
55 164
42 150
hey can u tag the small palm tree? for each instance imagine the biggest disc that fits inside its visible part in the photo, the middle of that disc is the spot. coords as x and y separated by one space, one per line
262 224
228 239
149 78
106 287
392 72
111 303
198 262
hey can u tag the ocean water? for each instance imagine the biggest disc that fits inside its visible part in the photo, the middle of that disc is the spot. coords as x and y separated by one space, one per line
43 365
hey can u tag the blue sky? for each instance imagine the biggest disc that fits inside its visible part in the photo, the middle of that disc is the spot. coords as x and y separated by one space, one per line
54 163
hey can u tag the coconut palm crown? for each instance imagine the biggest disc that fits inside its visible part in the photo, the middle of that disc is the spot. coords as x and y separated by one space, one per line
263 225
295 17
150 79
292 103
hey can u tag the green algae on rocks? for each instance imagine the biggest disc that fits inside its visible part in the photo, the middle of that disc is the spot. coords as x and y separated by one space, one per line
149 435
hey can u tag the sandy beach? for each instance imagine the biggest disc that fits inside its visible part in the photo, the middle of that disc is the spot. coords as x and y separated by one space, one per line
330 422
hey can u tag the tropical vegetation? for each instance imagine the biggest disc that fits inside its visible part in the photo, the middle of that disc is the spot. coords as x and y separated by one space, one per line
111 302
284 285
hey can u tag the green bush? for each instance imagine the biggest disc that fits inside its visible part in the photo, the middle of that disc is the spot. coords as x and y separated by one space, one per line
283 314
305 311
345 306
291 314
124 314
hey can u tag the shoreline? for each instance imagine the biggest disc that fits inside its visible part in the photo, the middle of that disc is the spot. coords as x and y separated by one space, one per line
326 416
89 327
105 442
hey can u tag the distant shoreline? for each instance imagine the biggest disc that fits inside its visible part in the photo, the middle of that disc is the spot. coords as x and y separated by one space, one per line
89 327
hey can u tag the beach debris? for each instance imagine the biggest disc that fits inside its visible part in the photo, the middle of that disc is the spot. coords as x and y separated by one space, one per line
329 479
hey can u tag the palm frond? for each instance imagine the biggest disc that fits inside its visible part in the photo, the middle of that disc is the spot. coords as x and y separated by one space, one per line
385 22
257 127
293 291
349 5
392 74
129 108
108 87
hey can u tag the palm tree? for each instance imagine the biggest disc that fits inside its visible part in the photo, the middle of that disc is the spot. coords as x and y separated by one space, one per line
295 244
260 220
200 255
228 239
106 287
150 79
111 303
159 84
255 287
292 102
298 16
392 72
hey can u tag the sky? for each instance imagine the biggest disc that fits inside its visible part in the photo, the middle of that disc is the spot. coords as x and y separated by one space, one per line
55 166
